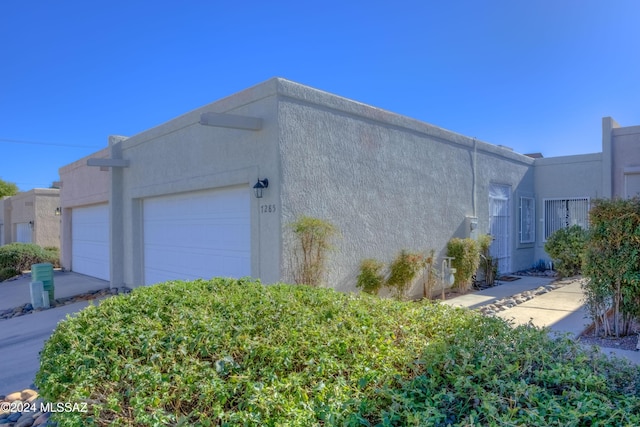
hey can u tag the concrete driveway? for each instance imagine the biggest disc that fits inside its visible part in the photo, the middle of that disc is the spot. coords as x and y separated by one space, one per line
22 338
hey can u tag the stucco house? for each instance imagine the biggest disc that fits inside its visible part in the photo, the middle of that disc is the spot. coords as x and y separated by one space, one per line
177 201
31 217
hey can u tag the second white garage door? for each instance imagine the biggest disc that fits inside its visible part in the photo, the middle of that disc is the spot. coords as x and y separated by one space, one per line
197 235
90 241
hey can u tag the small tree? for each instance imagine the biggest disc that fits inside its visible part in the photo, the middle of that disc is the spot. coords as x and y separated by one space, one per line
612 264
488 265
313 237
371 278
403 270
8 188
567 247
466 254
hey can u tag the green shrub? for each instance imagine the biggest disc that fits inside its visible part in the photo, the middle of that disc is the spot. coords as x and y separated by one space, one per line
487 264
370 279
566 247
53 255
432 278
309 257
20 256
466 254
484 243
234 352
8 273
403 270
612 264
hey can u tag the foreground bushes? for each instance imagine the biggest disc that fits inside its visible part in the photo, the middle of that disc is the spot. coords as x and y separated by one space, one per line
18 257
234 352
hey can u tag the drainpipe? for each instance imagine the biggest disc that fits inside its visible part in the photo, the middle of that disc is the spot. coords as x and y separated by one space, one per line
475 163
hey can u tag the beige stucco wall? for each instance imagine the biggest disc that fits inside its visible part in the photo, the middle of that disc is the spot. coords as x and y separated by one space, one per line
386 181
46 230
4 238
81 185
182 156
84 185
625 154
2 230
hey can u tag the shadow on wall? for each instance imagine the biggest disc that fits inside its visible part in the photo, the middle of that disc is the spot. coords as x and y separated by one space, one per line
348 282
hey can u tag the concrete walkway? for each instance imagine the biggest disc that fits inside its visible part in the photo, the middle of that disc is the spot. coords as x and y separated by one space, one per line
562 310
14 293
22 338
503 290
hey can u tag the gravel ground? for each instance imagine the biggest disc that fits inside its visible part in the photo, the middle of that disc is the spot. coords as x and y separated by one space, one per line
629 342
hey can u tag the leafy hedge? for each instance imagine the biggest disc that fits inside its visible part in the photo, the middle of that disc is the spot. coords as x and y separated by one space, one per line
612 264
371 278
566 246
17 257
235 352
466 254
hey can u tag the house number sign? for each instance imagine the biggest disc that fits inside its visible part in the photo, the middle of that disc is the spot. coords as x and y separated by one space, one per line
267 208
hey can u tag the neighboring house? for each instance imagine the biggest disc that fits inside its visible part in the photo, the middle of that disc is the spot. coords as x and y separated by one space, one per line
177 201
566 185
31 217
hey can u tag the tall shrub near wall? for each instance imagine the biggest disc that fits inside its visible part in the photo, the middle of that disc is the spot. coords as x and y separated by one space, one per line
466 254
403 270
312 243
612 263
371 278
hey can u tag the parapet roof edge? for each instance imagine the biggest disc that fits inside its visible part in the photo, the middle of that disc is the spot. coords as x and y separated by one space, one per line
312 95
573 158
279 86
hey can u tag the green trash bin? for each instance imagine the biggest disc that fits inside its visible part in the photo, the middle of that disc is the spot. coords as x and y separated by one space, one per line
44 273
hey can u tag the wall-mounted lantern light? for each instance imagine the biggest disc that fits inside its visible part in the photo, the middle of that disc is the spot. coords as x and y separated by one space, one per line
260 185
31 224
58 211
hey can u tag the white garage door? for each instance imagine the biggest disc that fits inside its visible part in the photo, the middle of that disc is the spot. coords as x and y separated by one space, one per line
90 241
197 235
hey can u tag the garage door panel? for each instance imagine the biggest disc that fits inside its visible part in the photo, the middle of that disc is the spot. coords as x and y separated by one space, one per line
226 263
197 235
90 241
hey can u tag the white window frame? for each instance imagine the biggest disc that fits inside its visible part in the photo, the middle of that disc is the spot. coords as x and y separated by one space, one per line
527 219
575 214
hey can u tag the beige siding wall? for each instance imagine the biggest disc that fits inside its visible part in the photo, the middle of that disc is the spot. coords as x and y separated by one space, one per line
625 157
82 185
46 231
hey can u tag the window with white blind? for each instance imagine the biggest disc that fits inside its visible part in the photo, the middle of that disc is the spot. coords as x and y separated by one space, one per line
563 213
527 220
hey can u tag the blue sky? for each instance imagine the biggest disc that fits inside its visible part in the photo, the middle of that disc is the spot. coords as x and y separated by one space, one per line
537 76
